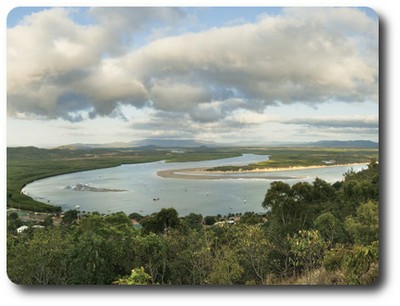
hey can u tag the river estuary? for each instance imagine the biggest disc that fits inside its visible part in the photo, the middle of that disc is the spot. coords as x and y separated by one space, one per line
138 187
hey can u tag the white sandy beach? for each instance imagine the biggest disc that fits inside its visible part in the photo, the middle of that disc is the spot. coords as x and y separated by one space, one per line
202 173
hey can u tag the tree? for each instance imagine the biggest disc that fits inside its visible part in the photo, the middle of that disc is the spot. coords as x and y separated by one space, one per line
193 221
307 249
87 263
287 214
150 224
161 221
13 221
331 229
135 216
118 219
100 251
226 269
357 188
278 202
150 253
364 226
48 221
358 264
251 218
323 192
304 206
13 216
69 217
189 256
137 277
290 208
168 218
40 260
254 250
210 220
334 258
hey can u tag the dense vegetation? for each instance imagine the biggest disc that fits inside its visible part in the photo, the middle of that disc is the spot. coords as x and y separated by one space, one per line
316 233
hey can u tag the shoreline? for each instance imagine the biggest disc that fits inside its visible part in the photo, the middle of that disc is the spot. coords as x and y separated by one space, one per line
203 174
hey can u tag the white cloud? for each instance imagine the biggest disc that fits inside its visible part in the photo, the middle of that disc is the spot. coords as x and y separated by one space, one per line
175 96
246 117
47 44
57 66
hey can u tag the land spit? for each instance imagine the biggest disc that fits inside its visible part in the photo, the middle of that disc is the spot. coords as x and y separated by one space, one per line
207 174
202 174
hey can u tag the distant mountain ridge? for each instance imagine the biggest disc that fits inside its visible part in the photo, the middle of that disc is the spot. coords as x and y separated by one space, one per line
190 143
168 143
78 146
148 142
344 144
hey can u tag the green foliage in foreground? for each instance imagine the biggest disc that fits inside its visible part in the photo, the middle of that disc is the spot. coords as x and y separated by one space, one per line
308 238
137 277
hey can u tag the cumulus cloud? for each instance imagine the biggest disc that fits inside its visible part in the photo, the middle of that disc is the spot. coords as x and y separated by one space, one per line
175 96
134 18
123 23
57 67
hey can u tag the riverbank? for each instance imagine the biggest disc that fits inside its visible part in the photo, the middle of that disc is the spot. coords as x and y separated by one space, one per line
207 174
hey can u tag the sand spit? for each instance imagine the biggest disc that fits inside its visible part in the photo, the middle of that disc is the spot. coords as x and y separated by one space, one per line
203 174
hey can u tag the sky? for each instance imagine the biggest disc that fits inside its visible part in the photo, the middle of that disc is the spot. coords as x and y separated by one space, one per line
253 75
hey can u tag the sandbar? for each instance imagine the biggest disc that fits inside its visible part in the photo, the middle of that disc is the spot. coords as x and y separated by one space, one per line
203 174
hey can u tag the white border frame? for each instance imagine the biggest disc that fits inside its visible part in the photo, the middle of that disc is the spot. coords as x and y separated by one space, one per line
386 291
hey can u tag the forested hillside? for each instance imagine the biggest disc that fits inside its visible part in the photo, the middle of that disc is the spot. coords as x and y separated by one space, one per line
317 233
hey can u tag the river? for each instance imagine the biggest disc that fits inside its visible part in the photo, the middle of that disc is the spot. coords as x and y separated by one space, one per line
138 188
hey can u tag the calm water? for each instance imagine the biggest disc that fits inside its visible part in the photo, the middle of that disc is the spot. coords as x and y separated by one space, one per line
141 185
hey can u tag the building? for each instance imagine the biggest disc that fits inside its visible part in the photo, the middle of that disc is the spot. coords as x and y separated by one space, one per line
22 228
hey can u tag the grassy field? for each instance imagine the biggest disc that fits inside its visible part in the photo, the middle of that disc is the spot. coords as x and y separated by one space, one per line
27 164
